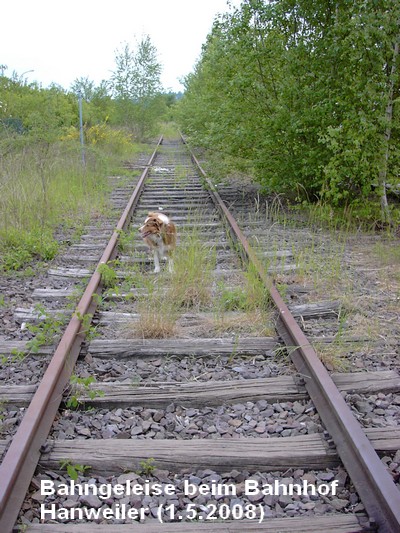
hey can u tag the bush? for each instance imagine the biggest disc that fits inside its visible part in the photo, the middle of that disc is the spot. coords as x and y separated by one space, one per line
114 140
21 247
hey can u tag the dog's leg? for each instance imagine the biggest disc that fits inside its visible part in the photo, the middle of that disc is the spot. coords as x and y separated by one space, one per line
170 265
156 262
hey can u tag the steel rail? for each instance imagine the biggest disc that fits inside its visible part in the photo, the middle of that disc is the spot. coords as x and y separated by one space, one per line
23 455
372 481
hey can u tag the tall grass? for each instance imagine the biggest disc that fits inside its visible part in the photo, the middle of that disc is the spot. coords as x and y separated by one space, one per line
187 287
192 275
44 186
157 314
190 288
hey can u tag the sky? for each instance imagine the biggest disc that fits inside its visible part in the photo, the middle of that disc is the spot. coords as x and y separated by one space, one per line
61 41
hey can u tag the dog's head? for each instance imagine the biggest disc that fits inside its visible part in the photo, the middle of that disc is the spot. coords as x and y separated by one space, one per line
151 227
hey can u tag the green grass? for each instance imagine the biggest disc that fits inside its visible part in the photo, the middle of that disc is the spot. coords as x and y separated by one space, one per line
169 294
359 216
157 314
387 251
249 297
192 276
190 288
44 189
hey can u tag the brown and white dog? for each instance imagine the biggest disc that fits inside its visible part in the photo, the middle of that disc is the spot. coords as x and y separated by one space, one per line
159 233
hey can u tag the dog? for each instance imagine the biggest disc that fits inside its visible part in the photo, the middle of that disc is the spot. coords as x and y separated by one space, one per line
159 233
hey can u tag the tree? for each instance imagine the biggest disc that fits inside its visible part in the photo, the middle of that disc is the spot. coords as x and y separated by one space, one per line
97 102
44 114
304 93
137 73
84 87
383 172
137 87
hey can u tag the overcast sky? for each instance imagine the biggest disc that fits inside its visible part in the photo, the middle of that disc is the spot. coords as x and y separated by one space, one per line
61 41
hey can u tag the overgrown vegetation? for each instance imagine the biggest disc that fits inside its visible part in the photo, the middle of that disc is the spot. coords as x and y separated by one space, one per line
44 184
304 95
189 287
48 181
169 297
81 386
157 314
191 279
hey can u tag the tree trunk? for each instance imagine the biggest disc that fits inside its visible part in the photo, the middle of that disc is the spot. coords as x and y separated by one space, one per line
385 214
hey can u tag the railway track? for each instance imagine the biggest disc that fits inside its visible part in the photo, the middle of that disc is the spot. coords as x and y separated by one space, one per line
199 397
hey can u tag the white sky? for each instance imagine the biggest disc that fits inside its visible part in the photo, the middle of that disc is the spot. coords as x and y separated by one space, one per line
62 41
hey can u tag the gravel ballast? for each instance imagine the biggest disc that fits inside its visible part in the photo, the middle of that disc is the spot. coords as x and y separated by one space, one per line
226 491
260 419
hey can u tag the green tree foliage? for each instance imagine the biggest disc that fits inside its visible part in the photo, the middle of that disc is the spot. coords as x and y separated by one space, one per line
97 103
137 88
299 92
137 73
43 183
40 113
85 87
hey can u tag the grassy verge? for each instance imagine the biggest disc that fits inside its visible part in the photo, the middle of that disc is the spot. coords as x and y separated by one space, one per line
359 216
46 188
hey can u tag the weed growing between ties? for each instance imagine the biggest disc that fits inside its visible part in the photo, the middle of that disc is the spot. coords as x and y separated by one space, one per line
192 277
244 309
169 294
157 314
146 467
73 469
46 330
166 307
80 387
126 240
108 274
334 355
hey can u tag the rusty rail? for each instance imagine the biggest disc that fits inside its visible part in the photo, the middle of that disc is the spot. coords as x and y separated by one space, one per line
374 484
22 457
